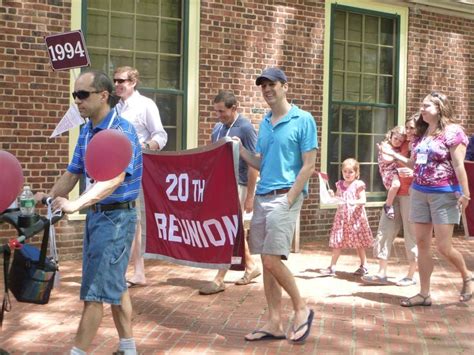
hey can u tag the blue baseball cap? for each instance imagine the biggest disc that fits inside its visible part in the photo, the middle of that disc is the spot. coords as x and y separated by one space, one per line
272 74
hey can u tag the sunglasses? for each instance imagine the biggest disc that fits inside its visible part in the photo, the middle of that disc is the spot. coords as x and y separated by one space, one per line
83 94
120 81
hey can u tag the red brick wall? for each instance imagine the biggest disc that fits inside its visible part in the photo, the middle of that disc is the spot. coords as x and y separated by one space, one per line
33 98
441 57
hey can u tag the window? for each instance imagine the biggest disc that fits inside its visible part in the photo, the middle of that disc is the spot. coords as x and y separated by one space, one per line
363 90
148 35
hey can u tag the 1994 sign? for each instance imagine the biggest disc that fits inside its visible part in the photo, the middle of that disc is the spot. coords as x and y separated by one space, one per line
67 50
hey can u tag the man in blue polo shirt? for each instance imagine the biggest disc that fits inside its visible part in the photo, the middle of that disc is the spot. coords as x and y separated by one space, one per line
111 216
286 155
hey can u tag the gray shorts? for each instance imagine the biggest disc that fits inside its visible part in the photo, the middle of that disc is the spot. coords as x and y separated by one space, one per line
436 208
273 225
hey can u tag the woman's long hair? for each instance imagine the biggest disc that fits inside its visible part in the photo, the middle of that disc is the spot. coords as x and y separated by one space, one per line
445 114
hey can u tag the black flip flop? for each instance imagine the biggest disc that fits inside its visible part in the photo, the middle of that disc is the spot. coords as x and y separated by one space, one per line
266 336
308 324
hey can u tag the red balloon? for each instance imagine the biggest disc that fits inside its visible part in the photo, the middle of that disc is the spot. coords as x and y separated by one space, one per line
11 179
108 154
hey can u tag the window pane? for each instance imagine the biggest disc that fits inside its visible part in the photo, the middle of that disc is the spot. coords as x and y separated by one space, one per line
148 7
123 5
98 4
334 122
347 146
334 173
170 37
377 181
338 56
353 57
371 29
334 147
147 34
353 88
385 90
168 105
147 66
370 59
121 33
97 27
355 27
170 72
364 149
120 59
337 86
370 89
383 118
365 175
171 8
98 59
171 144
387 31
365 120
348 120
340 25
386 60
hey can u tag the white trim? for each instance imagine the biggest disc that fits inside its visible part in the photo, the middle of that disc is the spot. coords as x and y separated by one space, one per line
192 104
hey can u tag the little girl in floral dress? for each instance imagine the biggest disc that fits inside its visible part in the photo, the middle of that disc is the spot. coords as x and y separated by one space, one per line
395 138
350 229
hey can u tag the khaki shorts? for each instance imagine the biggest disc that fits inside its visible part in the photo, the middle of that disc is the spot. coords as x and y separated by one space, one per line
273 225
436 208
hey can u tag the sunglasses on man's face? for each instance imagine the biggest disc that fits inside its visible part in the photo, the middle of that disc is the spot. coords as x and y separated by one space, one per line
83 94
120 81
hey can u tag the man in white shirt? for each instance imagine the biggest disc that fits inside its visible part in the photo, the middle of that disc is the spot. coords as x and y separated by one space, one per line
143 113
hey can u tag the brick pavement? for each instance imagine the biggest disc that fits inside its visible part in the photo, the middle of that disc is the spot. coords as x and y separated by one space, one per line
170 317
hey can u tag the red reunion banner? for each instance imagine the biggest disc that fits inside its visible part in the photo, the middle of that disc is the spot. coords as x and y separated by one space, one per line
191 211
469 217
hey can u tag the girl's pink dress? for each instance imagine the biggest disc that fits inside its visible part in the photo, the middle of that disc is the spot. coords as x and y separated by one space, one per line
350 228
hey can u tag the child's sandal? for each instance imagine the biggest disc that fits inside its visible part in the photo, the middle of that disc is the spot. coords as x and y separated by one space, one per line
465 294
417 300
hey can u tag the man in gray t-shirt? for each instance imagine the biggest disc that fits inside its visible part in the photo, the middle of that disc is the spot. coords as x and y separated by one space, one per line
231 124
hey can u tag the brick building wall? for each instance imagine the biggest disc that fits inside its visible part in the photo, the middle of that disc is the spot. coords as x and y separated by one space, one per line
441 57
33 98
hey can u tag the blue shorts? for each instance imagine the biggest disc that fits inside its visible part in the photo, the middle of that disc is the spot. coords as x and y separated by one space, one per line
108 238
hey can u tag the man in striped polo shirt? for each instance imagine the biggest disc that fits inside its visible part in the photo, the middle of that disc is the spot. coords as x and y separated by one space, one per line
111 215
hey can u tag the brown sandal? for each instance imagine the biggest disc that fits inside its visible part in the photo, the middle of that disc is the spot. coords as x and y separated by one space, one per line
412 301
466 295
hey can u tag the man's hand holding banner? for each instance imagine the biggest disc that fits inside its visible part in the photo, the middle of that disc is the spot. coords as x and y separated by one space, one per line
191 204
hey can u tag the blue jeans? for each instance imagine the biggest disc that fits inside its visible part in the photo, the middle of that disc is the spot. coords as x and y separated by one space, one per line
108 238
